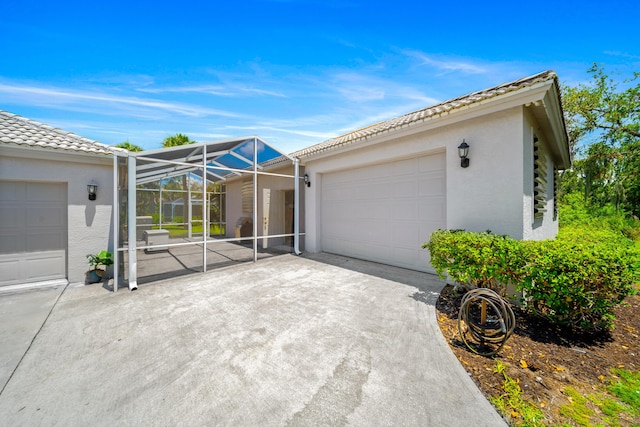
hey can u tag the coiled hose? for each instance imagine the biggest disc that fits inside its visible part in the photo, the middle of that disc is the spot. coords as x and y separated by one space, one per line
485 321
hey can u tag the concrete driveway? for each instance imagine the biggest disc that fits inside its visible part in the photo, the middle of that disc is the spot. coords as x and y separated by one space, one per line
287 341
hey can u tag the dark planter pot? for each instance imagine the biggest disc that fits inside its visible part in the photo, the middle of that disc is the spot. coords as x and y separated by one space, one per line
94 276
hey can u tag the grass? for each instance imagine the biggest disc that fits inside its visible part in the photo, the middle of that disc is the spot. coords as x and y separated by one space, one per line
627 389
178 230
616 403
578 408
511 403
613 405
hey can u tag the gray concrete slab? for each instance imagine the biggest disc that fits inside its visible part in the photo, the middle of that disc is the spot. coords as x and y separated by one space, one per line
22 314
314 340
183 260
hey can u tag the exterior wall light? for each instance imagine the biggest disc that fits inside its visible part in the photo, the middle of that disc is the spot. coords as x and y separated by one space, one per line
307 180
92 189
463 152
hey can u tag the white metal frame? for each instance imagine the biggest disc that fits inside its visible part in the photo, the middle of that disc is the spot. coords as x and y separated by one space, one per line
199 159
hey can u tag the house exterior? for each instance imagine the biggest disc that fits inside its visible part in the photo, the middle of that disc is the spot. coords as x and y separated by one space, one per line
47 223
275 206
376 193
379 192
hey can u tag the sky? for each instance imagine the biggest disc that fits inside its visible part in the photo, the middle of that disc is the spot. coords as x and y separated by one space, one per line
293 72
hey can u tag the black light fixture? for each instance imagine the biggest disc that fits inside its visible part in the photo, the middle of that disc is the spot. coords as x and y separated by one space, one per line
306 180
92 189
463 152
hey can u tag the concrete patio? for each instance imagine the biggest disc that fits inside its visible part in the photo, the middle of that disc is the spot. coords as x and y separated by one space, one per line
181 260
312 340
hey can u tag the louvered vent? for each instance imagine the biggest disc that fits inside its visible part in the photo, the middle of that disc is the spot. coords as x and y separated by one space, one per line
556 181
539 179
247 196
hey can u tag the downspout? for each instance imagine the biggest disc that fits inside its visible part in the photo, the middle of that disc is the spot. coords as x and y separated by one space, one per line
160 211
131 214
205 210
116 223
188 207
255 199
296 206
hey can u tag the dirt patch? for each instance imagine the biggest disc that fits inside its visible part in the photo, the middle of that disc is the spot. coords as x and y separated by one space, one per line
546 359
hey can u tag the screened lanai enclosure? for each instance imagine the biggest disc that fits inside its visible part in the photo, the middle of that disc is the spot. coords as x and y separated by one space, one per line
202 206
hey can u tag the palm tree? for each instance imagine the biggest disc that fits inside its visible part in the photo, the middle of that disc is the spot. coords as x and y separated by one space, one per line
129 146
175 140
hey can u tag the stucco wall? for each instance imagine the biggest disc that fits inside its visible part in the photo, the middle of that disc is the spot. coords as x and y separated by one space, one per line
488 195
234 205
234 200
89 222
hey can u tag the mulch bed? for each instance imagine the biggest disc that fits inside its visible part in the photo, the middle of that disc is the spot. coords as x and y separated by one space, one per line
546 359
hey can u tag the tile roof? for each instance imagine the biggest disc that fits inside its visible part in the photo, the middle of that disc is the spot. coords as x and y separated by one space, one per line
426 113
29 133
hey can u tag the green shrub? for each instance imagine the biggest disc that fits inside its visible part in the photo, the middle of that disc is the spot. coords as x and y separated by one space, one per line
102 258
476 260
575 214
576 280
578 283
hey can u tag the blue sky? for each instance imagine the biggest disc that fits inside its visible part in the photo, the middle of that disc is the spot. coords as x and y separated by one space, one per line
292 72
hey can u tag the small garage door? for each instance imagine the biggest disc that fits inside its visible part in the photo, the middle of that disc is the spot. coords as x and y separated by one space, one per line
33 229
385 212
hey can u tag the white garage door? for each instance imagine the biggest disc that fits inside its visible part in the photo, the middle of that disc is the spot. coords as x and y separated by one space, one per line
385 212
33 229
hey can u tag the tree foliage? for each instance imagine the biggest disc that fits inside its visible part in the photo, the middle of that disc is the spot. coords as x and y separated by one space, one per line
129 146
176 140
607 168
600 106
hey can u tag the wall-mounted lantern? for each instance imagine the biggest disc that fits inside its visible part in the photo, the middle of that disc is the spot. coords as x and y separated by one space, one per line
92 189
463 152
307 180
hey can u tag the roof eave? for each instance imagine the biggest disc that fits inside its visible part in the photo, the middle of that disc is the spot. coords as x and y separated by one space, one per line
535 90
534 93
63 151
555 115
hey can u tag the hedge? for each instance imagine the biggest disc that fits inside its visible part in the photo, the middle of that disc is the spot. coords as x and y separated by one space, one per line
575 280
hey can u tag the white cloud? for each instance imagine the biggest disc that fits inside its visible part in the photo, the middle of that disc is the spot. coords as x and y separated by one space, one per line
299 132
207 89
208 136
446 64
217 90
93 101
262 92
621 54
368 88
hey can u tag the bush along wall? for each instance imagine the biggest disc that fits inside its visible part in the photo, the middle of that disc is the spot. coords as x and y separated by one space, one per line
576 280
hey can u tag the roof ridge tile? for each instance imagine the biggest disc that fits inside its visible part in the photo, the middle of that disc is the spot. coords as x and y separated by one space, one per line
426 112
15 129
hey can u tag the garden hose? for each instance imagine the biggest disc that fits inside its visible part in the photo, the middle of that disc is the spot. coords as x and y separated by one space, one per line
485 321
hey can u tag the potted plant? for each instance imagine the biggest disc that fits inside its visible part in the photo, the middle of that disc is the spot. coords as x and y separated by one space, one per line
102 258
